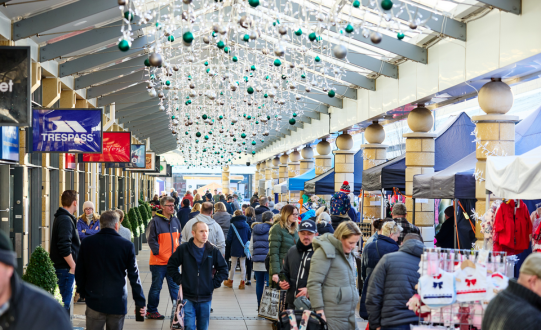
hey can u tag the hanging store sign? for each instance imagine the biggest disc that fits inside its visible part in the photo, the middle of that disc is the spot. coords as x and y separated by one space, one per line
69 161
149 163
10 143
116 149
138 158
67 130
15 80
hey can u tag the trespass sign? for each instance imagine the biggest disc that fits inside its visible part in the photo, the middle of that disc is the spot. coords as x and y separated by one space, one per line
67 130
15 95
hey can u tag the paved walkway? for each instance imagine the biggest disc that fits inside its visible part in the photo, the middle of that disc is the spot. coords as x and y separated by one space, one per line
234 309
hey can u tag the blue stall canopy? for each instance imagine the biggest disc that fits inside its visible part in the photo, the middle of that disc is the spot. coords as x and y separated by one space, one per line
458 180
297 183
453 142
323 184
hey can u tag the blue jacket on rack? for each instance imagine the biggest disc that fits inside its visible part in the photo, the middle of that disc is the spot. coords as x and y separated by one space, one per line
261 241
237 250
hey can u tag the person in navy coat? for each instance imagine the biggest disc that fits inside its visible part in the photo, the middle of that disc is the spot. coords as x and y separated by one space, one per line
240 226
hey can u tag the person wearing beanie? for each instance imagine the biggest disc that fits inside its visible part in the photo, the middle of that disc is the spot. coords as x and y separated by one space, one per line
88 223
65 244
23 305
340 205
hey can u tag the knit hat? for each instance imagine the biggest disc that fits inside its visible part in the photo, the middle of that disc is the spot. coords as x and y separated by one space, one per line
324 217
88 204
345 187
7 256
532 265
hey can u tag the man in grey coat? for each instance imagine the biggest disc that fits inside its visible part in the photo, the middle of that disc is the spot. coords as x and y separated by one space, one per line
392 284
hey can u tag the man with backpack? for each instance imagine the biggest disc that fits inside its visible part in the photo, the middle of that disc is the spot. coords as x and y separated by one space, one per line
198 258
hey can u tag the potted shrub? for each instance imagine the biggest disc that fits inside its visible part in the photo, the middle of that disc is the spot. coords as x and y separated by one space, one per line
145 216
41 273
134 223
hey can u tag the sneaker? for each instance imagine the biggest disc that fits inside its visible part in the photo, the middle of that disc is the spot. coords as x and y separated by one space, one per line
241 286
228 283
155 316
248 282
211 310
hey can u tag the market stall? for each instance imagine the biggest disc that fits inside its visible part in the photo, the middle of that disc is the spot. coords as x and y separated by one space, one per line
323 184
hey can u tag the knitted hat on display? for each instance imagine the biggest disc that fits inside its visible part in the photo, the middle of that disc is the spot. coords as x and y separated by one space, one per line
88 204
345 187
7 256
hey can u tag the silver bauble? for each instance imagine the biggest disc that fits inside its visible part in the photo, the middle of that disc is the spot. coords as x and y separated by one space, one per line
265 51
281 101
271 93
161 95
340 51
279 50
375 37
175 67
279 117
291 65
162 108
206 40
276 85
282 30
222 30
155 59
233 87
258 89
234 119
187 1
308 89
320 17
192 85
123 2
216 28
298 97
245 21
292 87
192 94
413 26
152 93
253 35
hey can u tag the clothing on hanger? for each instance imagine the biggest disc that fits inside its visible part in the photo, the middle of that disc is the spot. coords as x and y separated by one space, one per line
512 227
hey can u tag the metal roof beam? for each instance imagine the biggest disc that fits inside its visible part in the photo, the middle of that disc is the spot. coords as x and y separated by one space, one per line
60 16
116 84
141 97
314 115
110 72
510 6
137 114
138 106
331 101
123 94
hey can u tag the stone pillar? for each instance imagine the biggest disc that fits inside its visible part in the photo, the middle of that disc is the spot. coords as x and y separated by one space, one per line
268 169
256 177
374 153
420 157
262 169
323 162
275 172
225 180
283 175
498 130
293 170
307 163
343 161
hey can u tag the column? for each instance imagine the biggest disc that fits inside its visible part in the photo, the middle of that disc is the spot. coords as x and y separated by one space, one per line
261 190
45 200
307 161
420 157
256 178
323 162
268 169
225 180
498 130
344 161
293 169
374 153
275 170
283 174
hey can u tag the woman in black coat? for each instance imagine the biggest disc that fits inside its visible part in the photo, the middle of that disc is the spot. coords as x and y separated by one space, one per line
240 227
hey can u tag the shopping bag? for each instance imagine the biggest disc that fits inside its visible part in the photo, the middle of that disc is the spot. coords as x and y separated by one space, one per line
272 303
177 319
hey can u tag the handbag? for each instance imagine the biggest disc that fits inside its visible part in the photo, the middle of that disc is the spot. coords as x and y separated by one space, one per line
272 303
177 319
246 246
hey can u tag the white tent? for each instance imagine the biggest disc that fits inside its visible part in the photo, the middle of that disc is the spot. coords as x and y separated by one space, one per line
515 176
281 188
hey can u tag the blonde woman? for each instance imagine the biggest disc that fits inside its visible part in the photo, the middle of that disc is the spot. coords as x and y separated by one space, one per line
331 282
222 217
195 211
88 223
197 199
282 236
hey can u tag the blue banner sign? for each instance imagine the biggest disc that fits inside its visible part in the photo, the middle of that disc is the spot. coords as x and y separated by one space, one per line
67 130
10 143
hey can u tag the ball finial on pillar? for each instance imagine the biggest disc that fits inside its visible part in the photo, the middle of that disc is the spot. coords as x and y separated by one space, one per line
257 166
276 161
284 159
344 142
495 97
295 156
374 134
323 148
307 152
420 119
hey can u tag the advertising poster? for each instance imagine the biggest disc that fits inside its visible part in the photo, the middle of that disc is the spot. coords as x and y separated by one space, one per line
10 143
69 162
15 80
116 149
138 158
67 130
149 163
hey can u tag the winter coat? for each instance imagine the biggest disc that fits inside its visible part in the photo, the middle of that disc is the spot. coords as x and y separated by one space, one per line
324 227
197 288
236 205
237 250
259 212
331 283
64 239
260 238
513 227
192 215
163 238
337 220
352 214
392 284
254 204
250 221
190 198
216 234
102 281
372 254
296 270
516 307
183 216
90 230
229 207
200 201
340 204
31 308
280 241
275 211
224 220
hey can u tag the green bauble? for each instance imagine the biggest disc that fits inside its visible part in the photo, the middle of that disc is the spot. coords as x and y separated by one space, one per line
246 38
294 114
312 36
204 117
234 139
400 35
356 4
168 83
253 152
220 44
386 4
147 62
349 28
298 32
243 135
292 121
331 93
317 59
226 50
235 59
284 77
268 117
252 68
253 3
277 62
266 95
206 137
124 45
187 37
220 117
262 141
253 143
249 117
303 76
198 134
250 90
128 15
206 63
171 38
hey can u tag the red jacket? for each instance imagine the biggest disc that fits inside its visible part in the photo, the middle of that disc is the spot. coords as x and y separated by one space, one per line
190 198
513 229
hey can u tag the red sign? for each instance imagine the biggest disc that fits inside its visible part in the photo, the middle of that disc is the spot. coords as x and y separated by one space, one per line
116 149
69 161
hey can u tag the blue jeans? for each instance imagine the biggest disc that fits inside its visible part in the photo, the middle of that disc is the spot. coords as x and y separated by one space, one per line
262 280
199 312
158 274
66 283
